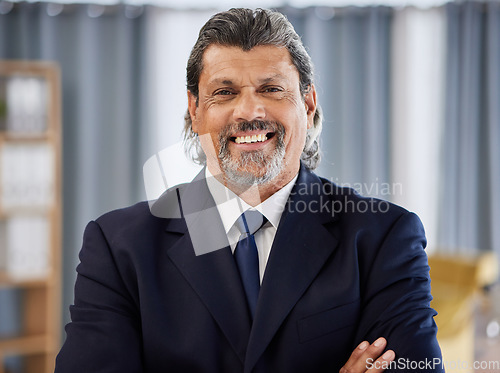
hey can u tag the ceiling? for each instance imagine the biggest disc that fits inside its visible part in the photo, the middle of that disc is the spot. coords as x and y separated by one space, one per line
225 4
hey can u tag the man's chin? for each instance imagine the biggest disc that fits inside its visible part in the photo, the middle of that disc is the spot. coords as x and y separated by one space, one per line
256 171
252 168
248 176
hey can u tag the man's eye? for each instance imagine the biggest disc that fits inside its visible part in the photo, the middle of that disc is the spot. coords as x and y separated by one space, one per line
224 92
272 89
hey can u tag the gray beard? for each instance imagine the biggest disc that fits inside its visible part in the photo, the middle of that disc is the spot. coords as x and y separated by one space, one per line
253 167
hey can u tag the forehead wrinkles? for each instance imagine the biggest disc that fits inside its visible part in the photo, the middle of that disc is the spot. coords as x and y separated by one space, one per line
261 62
237 74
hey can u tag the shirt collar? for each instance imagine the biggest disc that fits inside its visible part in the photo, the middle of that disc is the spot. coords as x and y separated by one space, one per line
230 206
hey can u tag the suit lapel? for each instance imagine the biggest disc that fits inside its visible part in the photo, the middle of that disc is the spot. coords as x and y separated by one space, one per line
204 258
300 249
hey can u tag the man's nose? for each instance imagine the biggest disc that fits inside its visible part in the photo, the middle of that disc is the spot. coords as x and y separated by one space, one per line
249 107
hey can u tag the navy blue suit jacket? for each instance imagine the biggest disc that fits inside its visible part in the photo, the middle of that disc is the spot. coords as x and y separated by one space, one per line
342 269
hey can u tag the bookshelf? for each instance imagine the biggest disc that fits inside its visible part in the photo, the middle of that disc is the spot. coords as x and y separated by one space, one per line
30 214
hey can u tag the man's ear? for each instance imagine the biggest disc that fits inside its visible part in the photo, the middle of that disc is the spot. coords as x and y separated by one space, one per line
192 106
310 103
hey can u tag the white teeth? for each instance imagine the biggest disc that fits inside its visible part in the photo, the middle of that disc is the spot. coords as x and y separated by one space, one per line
251 139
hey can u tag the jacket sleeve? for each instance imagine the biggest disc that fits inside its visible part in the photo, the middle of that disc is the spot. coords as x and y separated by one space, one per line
104 334
397 295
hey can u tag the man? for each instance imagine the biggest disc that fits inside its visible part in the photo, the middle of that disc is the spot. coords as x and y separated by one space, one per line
188 286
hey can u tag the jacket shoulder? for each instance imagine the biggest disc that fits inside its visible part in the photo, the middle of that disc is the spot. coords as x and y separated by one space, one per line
128 221
350 201
139 210
364 213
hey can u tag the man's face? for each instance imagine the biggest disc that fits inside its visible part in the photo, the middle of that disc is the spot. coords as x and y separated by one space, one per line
251 117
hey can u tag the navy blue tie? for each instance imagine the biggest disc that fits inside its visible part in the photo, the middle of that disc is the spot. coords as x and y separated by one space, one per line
247 256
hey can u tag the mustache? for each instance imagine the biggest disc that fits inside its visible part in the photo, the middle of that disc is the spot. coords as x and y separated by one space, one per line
255 125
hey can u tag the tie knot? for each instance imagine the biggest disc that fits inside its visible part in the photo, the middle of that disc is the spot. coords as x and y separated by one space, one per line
250 222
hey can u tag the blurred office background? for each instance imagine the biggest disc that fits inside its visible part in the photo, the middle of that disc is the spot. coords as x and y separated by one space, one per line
410 92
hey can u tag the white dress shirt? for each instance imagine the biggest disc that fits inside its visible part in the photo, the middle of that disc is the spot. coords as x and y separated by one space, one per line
231 206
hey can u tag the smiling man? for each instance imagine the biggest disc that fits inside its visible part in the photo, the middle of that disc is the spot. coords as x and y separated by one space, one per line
257 265
251 105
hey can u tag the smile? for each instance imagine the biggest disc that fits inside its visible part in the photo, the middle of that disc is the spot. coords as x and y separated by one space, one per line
249 139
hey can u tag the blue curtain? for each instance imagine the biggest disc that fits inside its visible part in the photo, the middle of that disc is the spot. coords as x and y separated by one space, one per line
470 204
351 50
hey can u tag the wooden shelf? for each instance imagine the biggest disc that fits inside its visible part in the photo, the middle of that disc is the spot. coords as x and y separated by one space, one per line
7 281
6 212
24 345
40 297
24 138
27 68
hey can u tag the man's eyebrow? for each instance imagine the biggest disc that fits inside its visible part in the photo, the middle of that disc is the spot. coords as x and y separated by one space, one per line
269 79
223 81
272 78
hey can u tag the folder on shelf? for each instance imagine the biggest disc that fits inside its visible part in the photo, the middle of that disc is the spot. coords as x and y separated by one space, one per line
26 105
27 177
27 247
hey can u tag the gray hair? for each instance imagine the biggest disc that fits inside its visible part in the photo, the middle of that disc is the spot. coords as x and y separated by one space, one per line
247 28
